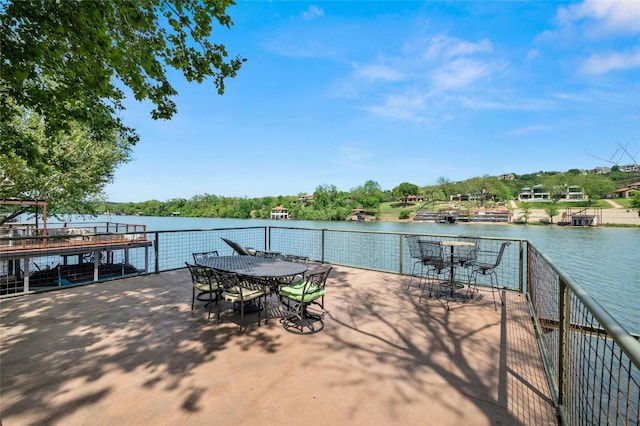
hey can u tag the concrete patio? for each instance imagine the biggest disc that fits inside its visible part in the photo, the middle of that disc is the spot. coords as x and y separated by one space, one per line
131 352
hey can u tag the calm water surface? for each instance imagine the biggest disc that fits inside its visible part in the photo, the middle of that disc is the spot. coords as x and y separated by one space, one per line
604 261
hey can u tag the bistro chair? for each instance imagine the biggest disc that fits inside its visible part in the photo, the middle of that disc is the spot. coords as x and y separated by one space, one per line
310 291
487 263
438 264
266 254
413 242
295 259
240 290
201 255
466 256
204 284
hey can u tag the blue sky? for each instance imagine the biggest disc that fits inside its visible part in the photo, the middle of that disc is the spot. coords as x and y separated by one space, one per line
339 93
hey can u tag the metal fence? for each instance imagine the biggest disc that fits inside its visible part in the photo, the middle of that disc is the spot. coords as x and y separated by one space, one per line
591 361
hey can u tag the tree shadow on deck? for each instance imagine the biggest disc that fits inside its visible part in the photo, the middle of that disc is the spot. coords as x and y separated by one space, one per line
469 355
54 343
96 352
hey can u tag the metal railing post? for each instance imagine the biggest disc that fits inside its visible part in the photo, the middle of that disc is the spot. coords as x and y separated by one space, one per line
322 246
156 253
564 311
401 236
521 268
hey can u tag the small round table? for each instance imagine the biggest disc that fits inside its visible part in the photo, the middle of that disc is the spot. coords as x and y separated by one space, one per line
451 293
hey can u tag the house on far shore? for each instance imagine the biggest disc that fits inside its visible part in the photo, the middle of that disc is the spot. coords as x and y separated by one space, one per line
280 213
535 193
306 199
412 199
625 192
539 193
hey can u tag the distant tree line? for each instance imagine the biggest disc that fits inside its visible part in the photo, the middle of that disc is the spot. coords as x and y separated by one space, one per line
329 203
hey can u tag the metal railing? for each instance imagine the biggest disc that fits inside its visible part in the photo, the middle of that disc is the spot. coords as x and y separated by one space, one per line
592 363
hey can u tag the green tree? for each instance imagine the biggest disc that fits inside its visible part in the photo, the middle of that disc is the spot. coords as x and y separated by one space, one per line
551 211
324 196
526 212
596 186
368 195
69 169
445 187
635 200
403 190
69 61
556 185
65 68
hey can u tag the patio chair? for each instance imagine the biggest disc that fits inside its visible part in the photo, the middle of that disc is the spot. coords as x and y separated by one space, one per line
266 254
201 255
465 257
438 264
204 283
240 290
486 264
295 259
416 256
310 291
238 249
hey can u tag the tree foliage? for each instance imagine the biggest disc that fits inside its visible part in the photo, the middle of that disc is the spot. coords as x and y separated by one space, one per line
635 200
405 189
551 211
69 61
65 67
68 169
368 195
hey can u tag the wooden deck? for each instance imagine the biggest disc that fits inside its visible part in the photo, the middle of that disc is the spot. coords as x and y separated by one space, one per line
131 352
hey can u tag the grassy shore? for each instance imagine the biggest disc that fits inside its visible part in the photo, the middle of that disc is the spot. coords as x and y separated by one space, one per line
622 216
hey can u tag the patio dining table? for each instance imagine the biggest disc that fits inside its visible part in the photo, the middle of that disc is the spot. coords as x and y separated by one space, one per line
266 268
254 266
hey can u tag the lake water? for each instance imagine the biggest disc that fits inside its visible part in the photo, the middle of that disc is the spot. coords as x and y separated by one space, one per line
604 261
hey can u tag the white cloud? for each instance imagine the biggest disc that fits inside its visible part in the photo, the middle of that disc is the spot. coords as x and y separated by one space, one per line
615 61
620 16
527 130
459 73
401 107
533 54
312 12
450 47
378 73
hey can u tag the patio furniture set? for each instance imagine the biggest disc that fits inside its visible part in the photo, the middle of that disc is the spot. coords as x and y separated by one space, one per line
441 263
261 281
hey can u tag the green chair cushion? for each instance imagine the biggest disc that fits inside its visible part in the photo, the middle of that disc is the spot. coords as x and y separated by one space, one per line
295 292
